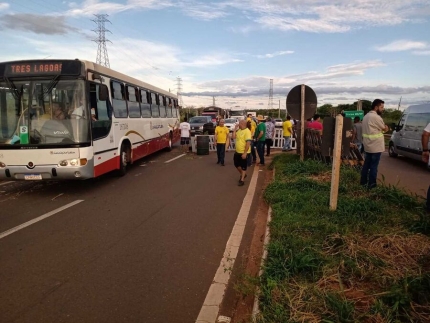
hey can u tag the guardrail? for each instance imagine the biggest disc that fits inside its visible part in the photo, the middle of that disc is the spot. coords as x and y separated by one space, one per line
278 142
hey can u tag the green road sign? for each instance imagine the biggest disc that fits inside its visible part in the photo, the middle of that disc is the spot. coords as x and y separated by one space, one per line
353 114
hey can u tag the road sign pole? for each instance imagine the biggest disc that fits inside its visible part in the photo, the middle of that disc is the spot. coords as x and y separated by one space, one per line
302 122
335 174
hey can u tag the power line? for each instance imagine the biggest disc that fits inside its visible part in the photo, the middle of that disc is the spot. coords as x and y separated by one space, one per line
102 54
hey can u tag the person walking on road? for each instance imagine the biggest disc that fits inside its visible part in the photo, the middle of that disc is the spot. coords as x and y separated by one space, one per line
260 138
287 128
185 135
243 144
221 139
374 144
425 156
357 134
270 133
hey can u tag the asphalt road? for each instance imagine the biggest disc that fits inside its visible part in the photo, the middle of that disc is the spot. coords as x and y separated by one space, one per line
140 248
404 173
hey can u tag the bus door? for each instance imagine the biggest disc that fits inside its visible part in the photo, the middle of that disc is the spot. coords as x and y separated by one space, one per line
105 152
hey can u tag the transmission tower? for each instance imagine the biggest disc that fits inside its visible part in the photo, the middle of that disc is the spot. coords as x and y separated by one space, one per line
179 90
213 101
102 54
271 95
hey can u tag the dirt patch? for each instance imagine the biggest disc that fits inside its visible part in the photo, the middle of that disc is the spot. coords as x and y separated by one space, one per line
251 262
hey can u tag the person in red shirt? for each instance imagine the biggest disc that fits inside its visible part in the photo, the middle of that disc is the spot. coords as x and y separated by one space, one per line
316 123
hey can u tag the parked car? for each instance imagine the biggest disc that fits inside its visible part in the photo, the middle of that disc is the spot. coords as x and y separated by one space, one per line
278 123
231 123
406 137
202 125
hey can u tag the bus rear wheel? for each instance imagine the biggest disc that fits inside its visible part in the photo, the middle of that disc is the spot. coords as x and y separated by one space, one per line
123 160
170 145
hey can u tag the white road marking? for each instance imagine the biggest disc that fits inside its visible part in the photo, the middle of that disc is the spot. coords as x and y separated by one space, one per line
174 158
210 309
1 184
40 218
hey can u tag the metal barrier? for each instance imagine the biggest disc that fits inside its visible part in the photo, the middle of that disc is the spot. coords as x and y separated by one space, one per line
278 142
313 144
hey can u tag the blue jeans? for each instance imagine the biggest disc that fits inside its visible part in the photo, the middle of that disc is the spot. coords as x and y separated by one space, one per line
369 173
260 150
287 143
220 152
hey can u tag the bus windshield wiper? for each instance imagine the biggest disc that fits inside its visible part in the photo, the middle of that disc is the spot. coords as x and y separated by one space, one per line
15 92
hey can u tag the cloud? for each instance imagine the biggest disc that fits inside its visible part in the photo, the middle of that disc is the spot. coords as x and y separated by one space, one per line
39 24
423 52
211 60
402 45
4 5
279 53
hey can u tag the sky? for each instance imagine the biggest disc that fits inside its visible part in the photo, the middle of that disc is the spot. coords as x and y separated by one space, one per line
228 51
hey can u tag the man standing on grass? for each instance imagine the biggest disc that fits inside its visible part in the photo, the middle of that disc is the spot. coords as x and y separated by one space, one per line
425 156
185 135
373 140
220 140
243 146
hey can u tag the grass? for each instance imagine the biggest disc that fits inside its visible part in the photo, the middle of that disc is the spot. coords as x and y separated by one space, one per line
368 261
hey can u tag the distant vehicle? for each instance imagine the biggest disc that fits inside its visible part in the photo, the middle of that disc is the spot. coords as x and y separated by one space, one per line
278 123
230 123
237 114
406 137
202 125
213 112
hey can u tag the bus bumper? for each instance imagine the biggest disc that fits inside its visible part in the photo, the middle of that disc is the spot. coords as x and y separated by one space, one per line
48 172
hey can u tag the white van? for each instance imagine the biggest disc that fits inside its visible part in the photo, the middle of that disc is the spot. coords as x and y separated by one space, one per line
406 137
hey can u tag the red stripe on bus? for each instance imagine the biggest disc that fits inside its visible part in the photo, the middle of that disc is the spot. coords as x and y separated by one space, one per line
107 166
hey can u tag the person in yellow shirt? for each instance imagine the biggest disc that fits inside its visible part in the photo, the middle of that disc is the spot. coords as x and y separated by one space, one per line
221 139
287 128
243 146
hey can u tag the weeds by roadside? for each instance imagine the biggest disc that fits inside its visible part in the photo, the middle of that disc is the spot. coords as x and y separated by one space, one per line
369 261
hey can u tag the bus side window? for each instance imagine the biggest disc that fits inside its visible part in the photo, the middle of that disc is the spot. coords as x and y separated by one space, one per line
118 100
103 115
154 105
133 105
145 100
169 107
176 111
162 100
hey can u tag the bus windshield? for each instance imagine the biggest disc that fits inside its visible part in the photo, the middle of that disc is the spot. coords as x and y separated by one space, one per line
43 112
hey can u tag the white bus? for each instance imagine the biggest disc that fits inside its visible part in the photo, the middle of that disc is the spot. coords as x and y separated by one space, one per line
74 119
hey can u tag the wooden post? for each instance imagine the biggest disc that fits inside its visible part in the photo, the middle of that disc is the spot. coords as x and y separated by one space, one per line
302 130
337 150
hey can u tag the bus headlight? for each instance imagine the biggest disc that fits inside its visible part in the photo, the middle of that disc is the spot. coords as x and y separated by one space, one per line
2 165
73 162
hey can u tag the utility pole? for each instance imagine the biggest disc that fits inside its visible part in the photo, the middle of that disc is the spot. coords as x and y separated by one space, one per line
271 95
400 101
102 54
179 90
213 101
279 109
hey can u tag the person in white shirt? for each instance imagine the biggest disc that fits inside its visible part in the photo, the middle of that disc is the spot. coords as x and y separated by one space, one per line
425 156
185 135
78 113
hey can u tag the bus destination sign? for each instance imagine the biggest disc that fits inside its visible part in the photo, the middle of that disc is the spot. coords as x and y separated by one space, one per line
34 68
40 68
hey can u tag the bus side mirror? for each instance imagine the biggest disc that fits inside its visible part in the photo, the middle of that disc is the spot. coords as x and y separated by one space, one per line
103 92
